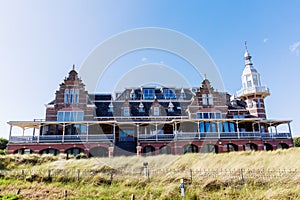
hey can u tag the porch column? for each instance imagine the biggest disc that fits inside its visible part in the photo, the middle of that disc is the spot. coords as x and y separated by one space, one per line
218 130
38 136
290 132
156 131
114 132
63 136
198 130
23 131
253 130
87 132
237 128
138 131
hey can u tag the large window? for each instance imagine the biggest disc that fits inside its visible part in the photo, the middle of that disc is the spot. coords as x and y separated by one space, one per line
69 116
169 93
210 99
148 93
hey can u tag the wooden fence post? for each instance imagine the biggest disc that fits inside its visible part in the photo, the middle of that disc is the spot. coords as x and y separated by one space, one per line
132 197
78 174
111 175
242 174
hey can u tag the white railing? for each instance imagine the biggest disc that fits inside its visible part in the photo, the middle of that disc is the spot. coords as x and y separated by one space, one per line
261 89
155 137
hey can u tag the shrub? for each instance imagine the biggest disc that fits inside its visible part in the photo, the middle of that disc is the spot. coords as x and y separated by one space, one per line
2 151
81 156
8 197
297 141
3 143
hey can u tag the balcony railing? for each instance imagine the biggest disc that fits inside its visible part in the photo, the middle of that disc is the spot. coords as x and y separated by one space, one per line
261 89
156 137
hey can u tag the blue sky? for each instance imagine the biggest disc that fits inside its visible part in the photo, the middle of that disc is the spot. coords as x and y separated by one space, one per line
41 40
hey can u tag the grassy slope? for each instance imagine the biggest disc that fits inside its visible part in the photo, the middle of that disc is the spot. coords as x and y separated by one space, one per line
163 185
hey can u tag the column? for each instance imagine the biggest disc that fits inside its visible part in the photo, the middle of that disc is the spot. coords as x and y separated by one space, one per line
138 150
218 129
111 151
38 136
290 132
156 131
87 132
237 128
114 132
198 129
138 131
63 136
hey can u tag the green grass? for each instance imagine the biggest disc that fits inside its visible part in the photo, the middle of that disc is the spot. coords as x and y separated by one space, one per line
164 184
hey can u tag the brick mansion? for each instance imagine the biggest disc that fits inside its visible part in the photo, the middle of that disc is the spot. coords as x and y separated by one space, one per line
148 120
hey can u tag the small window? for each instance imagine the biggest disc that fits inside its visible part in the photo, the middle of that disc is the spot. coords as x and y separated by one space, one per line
248 79
156 111
258 103
210 99
76 96
255 80
204 99
71 96
205 115
126 112
218 115
66 96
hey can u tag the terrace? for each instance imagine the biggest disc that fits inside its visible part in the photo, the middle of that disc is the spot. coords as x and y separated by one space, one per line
154 130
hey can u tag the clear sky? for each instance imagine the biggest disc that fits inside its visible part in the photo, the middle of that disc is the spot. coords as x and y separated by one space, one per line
41 40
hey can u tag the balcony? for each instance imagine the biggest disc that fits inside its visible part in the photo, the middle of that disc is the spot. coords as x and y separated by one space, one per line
252 90
158 137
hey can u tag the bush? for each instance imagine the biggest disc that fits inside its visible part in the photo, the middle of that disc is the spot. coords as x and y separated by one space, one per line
81 156
3 152
297 141
3 143
8 197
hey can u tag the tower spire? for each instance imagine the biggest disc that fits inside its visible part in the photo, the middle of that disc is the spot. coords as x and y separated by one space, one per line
73 67
247 56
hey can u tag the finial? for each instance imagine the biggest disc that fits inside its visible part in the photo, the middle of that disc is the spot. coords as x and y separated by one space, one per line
73 67
204 76
246 46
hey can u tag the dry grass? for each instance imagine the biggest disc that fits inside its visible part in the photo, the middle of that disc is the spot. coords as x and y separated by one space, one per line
164 185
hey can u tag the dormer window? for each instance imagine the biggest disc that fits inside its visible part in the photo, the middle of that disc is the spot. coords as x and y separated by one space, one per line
182 94
110 107
141 108
148 93
169 93
171 107
132 94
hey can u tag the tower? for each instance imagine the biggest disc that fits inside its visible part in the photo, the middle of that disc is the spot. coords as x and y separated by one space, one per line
252 92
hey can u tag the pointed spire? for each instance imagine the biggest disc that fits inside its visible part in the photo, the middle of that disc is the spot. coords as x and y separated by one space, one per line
247 55
73 66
